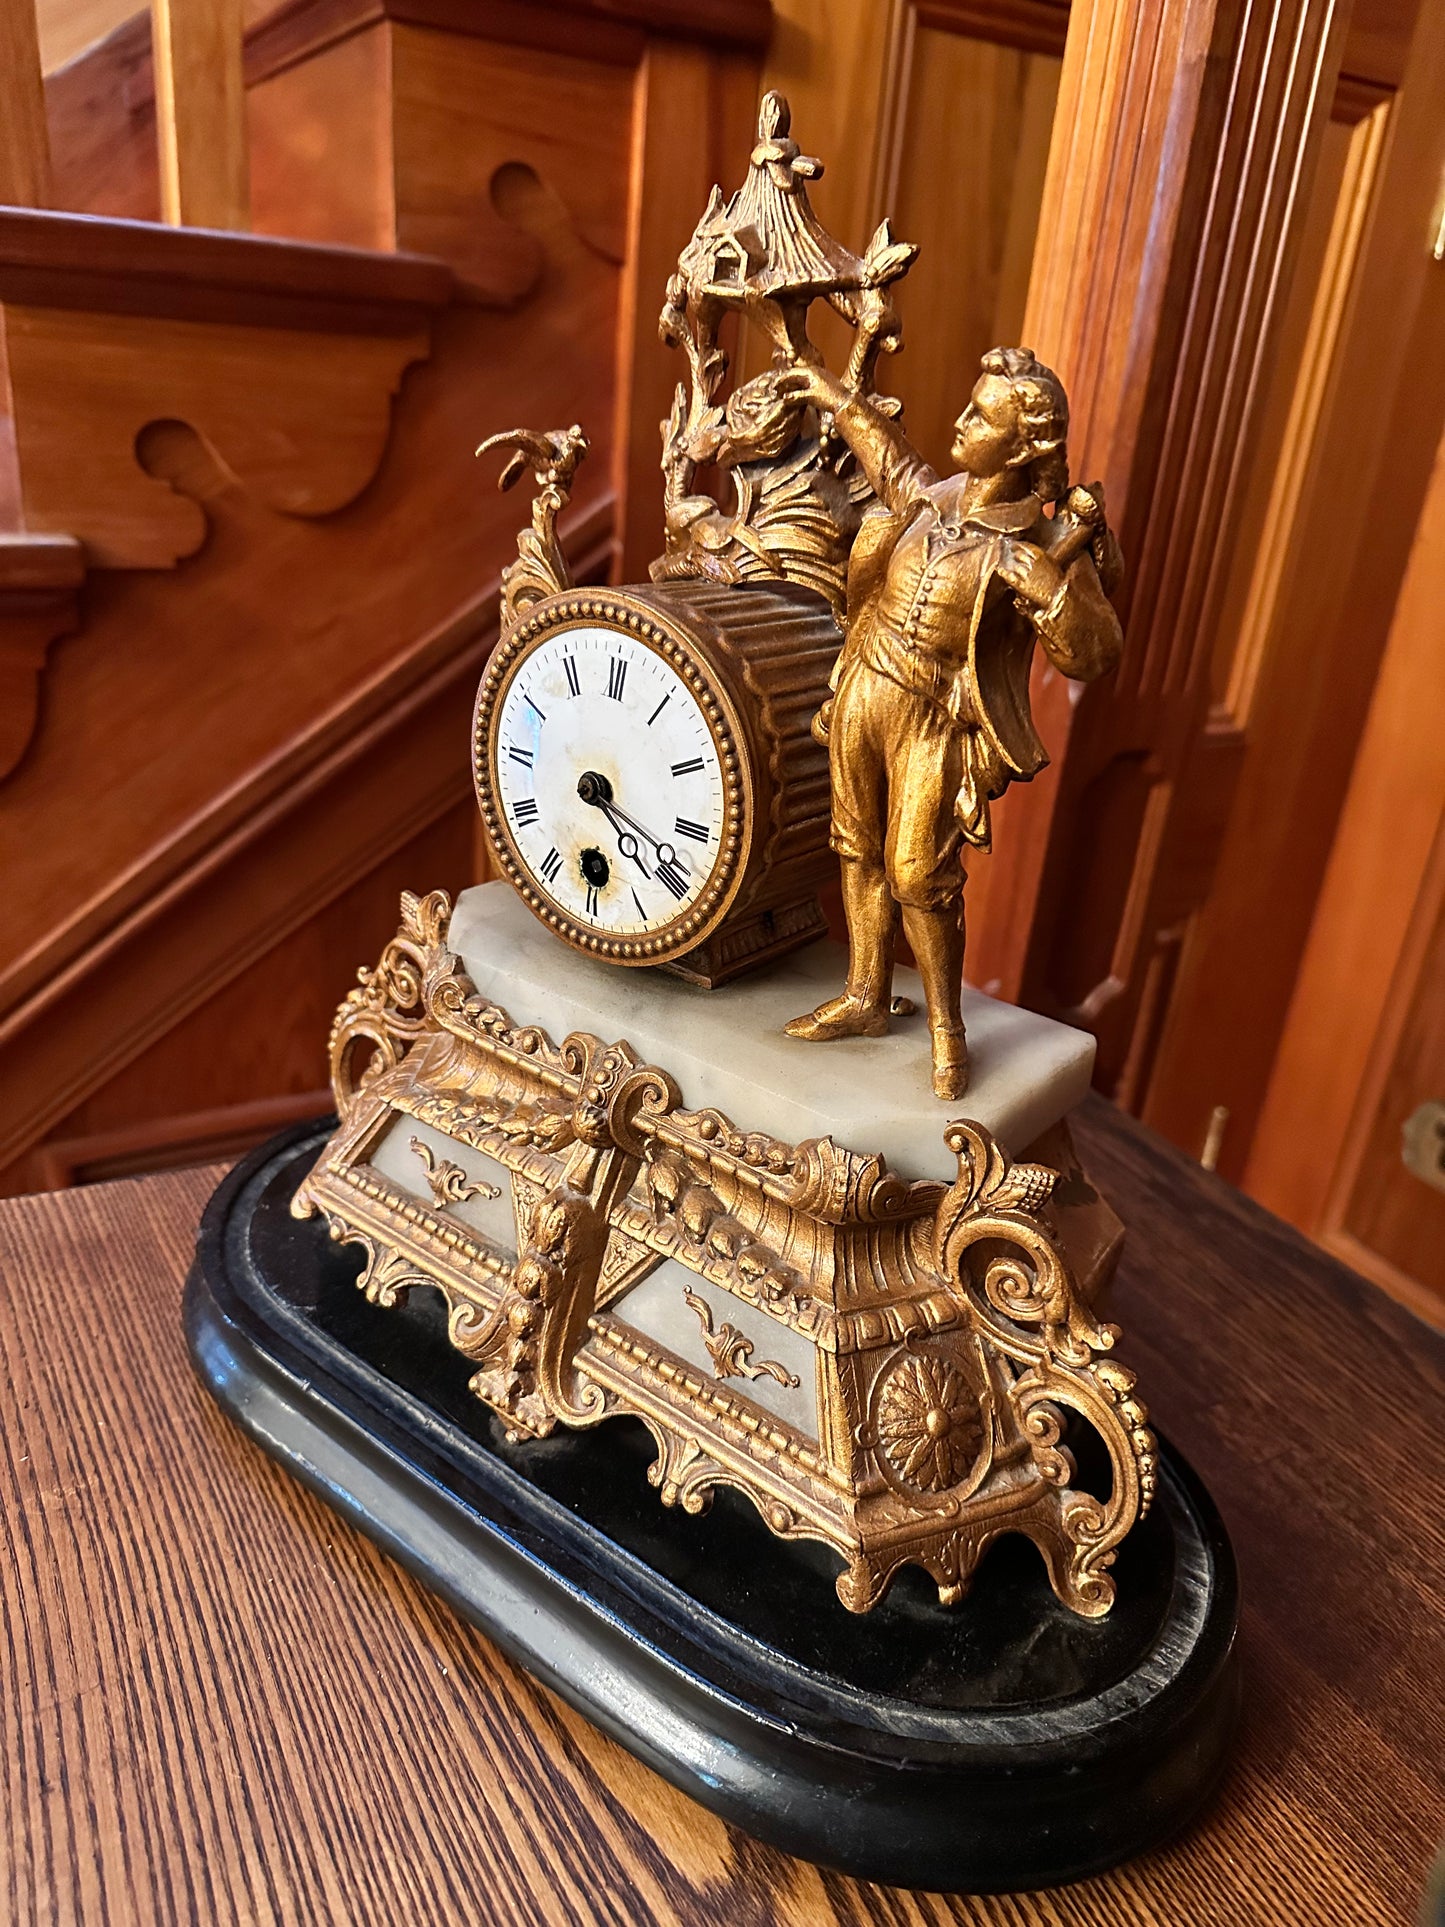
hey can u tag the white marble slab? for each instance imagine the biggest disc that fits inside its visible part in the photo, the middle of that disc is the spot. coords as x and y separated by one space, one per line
726 1048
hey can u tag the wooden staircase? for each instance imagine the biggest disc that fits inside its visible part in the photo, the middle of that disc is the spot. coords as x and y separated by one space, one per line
248 565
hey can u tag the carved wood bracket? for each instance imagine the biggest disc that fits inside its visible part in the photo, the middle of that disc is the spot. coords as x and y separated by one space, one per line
40 579
281 359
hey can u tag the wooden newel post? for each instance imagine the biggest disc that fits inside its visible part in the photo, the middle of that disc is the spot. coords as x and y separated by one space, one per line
1183 149
200 112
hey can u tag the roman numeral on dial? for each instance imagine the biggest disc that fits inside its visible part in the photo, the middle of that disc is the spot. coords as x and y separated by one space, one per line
674 880
569 663
686 827
616 677
550 865
524 810
689 768
520 755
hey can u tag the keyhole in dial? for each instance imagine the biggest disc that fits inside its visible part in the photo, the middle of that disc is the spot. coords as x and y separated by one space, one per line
595 868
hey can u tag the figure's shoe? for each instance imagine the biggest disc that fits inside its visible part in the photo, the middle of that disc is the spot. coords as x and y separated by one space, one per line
950 1064
845 1016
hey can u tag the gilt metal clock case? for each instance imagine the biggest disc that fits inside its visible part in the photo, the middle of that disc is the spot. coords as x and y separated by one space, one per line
646 772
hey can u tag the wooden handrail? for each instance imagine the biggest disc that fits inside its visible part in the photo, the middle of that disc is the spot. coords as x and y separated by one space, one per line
24 143
108 266
200 112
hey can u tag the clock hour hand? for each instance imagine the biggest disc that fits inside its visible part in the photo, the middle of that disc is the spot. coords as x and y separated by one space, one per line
626 841
597 791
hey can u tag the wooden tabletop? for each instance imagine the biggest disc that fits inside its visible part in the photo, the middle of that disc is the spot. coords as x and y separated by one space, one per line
221 1704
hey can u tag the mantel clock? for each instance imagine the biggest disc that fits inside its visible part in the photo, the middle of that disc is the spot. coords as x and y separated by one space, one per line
647 776
590 1167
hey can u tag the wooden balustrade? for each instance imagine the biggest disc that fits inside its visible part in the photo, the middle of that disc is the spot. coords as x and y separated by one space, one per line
201 112
24 144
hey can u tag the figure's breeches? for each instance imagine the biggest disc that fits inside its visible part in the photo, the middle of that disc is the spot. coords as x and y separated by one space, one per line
895 762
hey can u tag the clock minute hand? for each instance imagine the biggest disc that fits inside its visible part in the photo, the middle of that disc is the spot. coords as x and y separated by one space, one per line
596 790
673 855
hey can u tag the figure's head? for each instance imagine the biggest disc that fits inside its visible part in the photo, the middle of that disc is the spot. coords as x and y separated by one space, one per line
1017 418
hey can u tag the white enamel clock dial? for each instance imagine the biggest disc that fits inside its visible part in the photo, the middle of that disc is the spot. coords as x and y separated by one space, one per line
609 781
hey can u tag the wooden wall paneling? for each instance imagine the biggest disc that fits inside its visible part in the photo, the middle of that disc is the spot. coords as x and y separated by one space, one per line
1313 596
1377 44
1279 717
312 630
300 418
252 1056
1390 1223
395 765
300 414
969 179
693 118
1363 1042
24 140
1184 142
473 121
200 112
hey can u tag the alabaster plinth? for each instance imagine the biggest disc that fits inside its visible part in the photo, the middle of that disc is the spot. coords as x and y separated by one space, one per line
726 1049
641 1199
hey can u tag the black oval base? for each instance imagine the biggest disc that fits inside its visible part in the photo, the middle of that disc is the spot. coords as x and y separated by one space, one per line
1005 1744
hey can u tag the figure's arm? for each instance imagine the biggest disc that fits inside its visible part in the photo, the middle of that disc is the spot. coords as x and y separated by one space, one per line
896 471
1059 588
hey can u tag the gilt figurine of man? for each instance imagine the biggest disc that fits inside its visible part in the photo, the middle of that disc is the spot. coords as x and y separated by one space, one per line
950 582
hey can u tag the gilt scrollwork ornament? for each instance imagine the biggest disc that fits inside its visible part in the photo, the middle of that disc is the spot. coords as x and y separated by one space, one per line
957 1354
448 1182
541 567
385 1012
798 492
731 1351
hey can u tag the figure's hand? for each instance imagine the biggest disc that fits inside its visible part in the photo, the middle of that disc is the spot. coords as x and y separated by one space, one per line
1083 513
1031 573
1085 503
809 381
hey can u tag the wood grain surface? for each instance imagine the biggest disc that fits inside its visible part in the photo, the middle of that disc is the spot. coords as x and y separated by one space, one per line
221 1704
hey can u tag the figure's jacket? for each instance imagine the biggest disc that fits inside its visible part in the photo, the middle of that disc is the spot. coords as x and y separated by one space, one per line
928 608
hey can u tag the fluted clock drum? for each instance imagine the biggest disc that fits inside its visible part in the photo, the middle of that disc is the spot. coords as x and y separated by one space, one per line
646 772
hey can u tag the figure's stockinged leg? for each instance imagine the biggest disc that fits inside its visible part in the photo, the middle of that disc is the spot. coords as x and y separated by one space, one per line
862 1010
